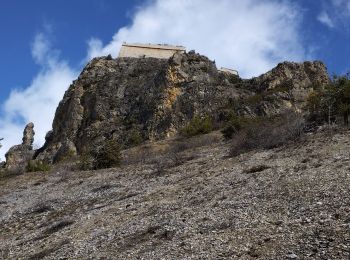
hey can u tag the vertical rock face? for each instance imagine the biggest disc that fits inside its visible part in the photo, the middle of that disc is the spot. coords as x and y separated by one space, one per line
28 135
154 98
18 156
296 77
287 85
113 98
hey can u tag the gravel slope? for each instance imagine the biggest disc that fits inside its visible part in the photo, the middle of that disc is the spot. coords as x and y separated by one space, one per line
291 202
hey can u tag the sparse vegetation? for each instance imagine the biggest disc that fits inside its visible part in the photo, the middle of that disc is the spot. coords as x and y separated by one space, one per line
134 138
211 180
236 123
69 156
327 103
268 133
85 161
37 166
108 156
267 95
148 154
197 126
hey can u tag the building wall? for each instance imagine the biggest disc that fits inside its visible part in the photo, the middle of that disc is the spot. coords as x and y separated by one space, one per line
139 52
229 71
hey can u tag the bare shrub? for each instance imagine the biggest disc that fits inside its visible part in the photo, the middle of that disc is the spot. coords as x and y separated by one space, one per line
139 154
176 152
169 155
199 141
267 134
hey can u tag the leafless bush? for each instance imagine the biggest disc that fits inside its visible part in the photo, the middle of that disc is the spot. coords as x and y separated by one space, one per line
199 141
171 154
267 134
140 154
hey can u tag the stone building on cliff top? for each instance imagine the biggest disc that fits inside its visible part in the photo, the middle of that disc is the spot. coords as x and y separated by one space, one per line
160 51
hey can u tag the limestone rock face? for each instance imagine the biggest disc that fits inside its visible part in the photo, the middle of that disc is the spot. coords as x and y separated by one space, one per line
286 86
28 135
154 98
296 77
18 156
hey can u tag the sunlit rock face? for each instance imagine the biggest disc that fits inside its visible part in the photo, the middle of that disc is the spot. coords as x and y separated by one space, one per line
154 98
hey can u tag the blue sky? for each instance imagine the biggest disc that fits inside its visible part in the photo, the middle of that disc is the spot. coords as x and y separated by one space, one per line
45 44
72 24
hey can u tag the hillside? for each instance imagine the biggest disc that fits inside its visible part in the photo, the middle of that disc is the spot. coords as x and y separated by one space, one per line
210 166
290 202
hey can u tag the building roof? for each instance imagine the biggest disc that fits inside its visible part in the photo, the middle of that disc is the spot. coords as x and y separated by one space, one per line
223 69
155 46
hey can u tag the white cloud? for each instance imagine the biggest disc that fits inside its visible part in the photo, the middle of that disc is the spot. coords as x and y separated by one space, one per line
251 35
335 14
38 101
40 48
324 18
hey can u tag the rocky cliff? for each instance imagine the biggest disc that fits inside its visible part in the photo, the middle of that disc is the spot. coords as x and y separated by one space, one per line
152 99
295 78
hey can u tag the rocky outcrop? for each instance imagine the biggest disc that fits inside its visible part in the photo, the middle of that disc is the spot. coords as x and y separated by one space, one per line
285 86
28 135
154 98
295 77
18 156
